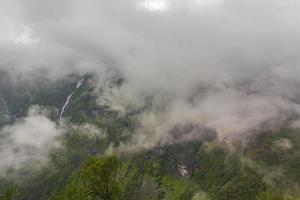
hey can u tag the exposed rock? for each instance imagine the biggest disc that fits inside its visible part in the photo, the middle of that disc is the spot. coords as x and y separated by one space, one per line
183 171
4 113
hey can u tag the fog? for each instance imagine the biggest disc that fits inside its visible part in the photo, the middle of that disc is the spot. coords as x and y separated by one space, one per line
28 142
226 65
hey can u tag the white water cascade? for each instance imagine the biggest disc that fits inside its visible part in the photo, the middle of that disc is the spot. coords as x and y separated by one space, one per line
79 84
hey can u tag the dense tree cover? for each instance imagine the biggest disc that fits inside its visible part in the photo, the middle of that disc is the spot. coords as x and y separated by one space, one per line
97 179
212 170
266 169
8 194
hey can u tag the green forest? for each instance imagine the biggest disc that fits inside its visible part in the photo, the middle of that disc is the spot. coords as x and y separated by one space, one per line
267 168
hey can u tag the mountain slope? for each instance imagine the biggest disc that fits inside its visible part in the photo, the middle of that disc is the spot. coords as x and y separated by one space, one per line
203 168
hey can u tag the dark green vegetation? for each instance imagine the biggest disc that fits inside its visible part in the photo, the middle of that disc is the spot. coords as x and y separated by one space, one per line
8 194
266 169
97 179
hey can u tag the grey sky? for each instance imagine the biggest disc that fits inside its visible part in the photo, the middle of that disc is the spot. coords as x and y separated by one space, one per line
220 62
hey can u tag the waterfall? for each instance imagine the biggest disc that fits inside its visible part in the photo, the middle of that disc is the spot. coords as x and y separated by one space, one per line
78 85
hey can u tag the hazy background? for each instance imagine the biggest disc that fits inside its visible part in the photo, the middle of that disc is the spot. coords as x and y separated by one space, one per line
227 65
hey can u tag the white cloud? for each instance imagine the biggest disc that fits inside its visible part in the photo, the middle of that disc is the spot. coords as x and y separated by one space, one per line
28 141
228 62
154 5
91 130
24 35
207 2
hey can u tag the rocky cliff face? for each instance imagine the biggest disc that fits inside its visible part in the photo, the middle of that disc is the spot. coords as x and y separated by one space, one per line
4 113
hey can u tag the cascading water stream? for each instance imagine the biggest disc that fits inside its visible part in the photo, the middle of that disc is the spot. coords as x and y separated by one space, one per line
79 84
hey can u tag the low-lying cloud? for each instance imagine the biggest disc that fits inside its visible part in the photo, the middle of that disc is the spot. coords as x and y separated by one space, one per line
28 141
226 65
